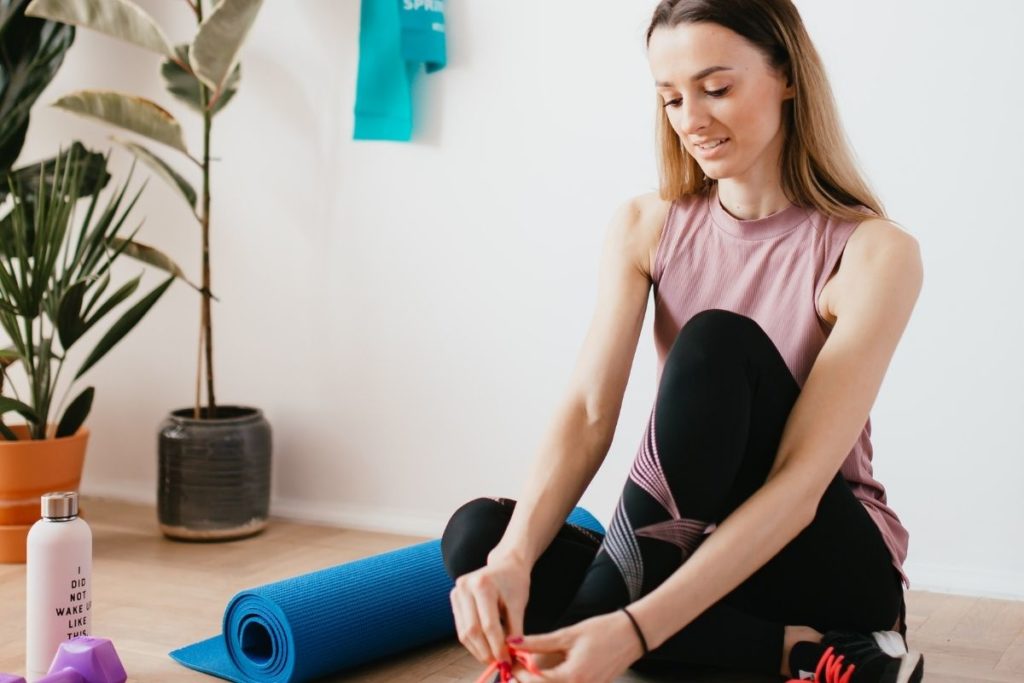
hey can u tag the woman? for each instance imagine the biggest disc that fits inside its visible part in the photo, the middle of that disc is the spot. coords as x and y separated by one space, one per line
750 533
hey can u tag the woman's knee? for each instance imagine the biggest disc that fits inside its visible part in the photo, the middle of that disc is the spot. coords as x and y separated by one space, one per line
713 331
710 338
471 533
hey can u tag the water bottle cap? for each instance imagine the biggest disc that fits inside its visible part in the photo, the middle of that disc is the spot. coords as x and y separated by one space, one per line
60 505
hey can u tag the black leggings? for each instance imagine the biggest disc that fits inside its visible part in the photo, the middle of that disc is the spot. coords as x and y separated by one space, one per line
724 397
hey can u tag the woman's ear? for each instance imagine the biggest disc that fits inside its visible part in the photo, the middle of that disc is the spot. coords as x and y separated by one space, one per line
790 90
787 74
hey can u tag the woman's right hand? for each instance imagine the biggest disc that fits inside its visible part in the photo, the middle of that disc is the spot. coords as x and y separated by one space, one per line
489 604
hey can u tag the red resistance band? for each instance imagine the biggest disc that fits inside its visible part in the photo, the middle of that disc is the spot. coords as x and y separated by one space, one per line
505 670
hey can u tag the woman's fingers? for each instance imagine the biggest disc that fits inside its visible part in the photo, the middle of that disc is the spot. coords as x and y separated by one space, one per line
524 675
546 654
515 609
467 624
536 662
549 667
490 620
489 604
555 641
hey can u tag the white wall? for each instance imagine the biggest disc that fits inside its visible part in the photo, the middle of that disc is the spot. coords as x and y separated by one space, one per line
408 314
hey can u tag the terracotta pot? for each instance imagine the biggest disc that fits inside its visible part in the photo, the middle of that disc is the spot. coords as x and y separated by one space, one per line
28 469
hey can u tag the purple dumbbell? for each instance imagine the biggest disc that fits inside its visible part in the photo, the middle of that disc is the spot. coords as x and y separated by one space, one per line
62 676
94 659
81 660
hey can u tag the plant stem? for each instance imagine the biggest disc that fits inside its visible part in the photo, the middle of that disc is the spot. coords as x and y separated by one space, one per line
199 368
211 401
206 333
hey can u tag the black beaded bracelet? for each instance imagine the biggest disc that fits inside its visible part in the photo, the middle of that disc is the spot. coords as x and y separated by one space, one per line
636 627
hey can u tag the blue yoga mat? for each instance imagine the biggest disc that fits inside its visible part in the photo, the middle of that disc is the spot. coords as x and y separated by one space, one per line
320 623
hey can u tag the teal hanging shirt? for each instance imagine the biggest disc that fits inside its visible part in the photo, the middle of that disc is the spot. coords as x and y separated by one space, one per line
395 38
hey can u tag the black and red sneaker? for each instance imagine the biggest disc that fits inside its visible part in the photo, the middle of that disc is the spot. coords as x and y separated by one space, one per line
879 657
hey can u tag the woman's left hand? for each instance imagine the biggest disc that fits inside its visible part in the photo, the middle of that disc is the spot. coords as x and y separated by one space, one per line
595 650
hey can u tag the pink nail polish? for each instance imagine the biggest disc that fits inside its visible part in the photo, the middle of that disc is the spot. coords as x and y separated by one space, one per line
517 639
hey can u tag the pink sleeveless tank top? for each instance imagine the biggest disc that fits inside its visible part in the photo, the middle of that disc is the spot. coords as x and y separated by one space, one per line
772 270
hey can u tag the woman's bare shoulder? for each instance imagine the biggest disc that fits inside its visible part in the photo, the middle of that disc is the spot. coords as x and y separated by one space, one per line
650 211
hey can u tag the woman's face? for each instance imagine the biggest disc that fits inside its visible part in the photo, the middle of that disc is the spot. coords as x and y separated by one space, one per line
741 103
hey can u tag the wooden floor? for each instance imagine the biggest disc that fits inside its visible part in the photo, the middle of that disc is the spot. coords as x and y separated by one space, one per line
152 595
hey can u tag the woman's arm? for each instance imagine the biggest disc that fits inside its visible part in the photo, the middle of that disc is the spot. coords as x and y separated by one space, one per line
581 433
572 453
490 603
880 277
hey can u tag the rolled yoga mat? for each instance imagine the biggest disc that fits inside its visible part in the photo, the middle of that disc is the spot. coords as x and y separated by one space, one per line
321 623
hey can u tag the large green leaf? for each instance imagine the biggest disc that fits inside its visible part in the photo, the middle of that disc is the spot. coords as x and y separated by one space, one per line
123 326
92 172
118 18
183 84
153 257
130 112
31 52
76 413
70 325
8 404
162 169
220 38
12 130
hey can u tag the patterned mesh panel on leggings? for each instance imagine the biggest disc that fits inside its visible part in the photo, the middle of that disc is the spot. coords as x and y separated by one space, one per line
621 544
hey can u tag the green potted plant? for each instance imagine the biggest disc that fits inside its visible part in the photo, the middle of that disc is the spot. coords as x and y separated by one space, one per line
31 52
54 287
38 455
214 460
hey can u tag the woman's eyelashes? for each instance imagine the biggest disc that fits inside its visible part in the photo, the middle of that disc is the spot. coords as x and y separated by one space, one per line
710 93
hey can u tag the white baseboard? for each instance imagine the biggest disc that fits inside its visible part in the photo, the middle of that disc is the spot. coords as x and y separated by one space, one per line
363 518
976 582
129 493
360 517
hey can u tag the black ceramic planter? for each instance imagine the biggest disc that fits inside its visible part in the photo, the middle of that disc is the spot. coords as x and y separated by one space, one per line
214 475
